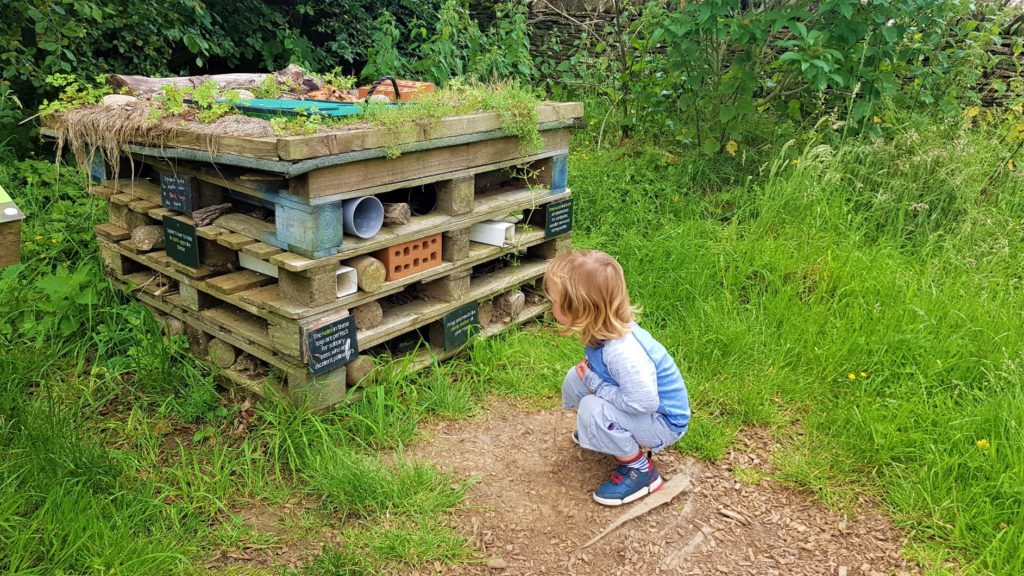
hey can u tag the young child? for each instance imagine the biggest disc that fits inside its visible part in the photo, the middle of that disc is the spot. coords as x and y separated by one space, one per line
628 392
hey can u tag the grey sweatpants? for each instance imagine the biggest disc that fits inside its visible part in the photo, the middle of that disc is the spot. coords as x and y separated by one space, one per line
604 428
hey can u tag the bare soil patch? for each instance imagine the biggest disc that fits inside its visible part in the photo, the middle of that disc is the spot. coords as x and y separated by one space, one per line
531 510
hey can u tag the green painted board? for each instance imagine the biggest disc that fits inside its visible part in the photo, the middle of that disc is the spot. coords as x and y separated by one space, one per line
4 196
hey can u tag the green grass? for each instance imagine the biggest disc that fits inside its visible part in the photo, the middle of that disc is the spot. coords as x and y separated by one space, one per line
771 276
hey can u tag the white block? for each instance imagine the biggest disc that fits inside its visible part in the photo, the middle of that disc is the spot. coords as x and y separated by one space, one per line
493 232
347 281
256 265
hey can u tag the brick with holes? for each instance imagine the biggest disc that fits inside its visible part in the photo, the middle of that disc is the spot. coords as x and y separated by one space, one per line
408 258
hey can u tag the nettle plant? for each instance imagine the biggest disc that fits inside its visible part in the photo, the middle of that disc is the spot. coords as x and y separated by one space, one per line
704 69
729 59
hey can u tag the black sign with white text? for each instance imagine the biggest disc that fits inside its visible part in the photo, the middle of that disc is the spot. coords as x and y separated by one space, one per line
330 344
558 218
460 324
181 242
176 193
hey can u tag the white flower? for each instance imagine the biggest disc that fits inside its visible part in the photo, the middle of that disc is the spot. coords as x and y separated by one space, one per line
890 23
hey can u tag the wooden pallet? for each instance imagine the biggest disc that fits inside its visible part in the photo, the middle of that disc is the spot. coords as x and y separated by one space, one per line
298 290
247 334
310 227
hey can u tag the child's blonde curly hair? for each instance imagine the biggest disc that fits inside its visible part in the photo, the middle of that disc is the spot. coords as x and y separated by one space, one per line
590 289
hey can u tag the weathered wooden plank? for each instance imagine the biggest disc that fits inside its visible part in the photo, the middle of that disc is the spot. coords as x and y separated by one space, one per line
263 148
101 191
143 206
303 147
383 171
235 241
122 199
261 250
238 281
136 189
211 232
159 213
112 232
247 225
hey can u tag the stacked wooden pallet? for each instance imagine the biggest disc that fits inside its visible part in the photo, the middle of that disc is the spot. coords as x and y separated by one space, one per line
239 243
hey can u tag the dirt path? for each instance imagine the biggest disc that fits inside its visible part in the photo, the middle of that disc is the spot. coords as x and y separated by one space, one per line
531 511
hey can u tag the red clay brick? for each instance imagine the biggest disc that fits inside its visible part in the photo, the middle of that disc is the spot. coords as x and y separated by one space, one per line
408 258
409 89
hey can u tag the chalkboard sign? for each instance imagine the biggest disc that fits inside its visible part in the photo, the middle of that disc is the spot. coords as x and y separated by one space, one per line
181 242
558 218
176 193
330 343
459 325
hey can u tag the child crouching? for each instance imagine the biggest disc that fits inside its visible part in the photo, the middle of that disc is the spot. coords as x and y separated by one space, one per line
629 395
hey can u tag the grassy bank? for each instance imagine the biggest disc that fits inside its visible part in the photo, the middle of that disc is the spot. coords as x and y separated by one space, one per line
861 295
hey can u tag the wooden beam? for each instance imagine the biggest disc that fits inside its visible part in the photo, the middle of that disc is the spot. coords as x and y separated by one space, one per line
303 147
371 174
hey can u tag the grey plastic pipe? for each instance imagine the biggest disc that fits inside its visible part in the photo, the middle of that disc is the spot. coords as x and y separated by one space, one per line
362 216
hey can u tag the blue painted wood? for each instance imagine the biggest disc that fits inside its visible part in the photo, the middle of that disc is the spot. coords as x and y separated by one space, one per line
98 167
314 232
559 173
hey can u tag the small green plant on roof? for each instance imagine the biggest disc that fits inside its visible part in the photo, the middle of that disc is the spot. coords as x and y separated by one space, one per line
514 104
212 105
74 93
302 124
268 88
338 79
207 103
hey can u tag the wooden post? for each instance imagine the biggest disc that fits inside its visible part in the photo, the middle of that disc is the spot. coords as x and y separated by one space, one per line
314 287
455 245
147 238
455 196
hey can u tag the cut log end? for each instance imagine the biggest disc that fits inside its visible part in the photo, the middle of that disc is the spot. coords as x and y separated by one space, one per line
509 305
368 315
370 273
147 238
357 370
397 214
221 354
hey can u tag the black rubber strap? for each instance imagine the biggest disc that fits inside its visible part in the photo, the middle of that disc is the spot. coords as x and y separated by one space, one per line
373 88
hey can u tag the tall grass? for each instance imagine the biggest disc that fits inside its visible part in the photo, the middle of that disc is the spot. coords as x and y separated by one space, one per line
860 295
896 261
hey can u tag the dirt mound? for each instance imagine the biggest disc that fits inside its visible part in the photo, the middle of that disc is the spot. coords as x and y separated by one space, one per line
532 510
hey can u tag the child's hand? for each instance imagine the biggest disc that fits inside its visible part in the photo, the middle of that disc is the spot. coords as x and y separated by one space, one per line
581 368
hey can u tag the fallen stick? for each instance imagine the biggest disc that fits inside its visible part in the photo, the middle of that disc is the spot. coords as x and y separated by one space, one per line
664 495
734 515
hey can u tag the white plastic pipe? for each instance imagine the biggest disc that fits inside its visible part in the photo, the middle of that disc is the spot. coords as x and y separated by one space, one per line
492 232
347 281
256 265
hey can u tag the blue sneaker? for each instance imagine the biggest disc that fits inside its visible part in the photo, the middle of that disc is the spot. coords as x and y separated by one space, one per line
628 484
